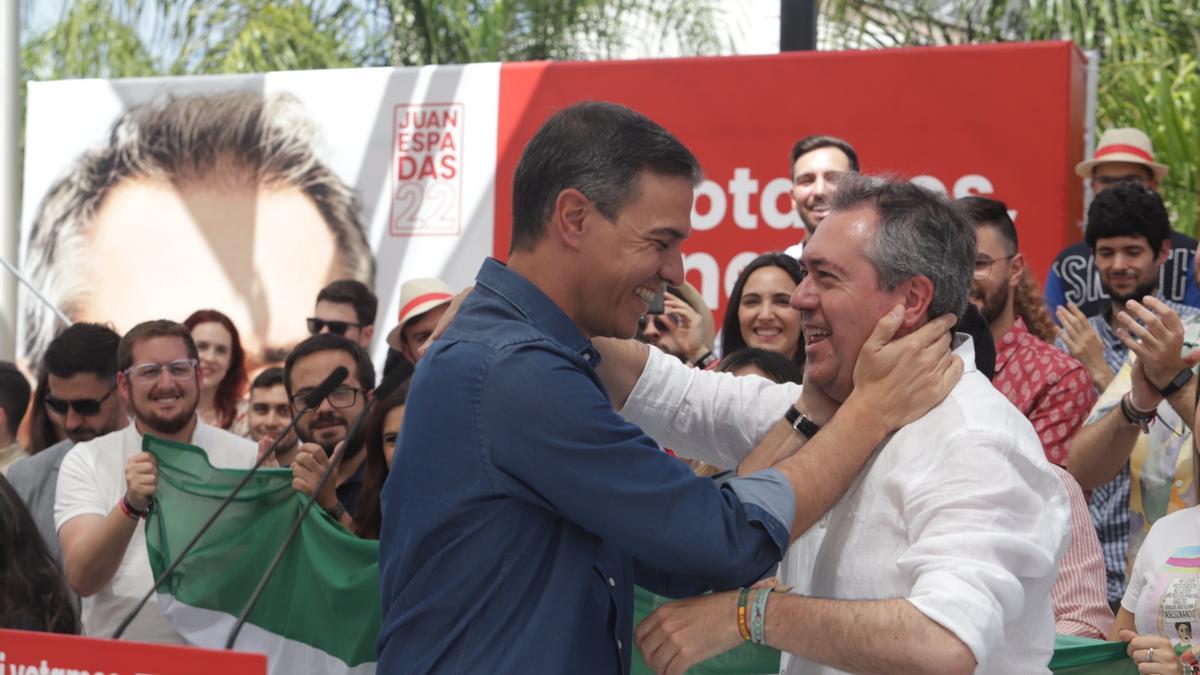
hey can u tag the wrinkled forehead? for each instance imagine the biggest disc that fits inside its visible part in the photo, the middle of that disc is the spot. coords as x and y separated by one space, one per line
842 238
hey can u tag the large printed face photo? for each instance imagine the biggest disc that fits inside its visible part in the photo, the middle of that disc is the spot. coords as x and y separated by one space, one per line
200 201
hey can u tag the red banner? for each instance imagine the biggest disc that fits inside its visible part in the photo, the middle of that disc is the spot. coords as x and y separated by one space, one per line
1004 121
23 652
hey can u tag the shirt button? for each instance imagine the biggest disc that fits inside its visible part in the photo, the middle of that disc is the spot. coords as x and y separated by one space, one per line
612 582
1178 483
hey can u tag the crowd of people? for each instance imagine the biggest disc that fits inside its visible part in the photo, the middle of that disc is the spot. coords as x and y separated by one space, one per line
895 432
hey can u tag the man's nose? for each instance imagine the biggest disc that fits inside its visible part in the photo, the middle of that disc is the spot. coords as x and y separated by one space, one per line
804 297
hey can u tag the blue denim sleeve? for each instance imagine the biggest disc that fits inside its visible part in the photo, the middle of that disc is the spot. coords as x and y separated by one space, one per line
553 439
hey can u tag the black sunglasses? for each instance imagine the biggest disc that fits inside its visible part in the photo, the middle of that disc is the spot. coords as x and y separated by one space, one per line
662 324
336 327
84 407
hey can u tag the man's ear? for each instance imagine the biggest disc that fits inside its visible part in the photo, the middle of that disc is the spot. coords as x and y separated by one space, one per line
1016 270
368 332
915 295
1164 252
569 218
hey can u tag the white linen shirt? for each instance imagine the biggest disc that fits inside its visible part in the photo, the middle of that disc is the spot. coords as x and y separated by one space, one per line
959 513
92 481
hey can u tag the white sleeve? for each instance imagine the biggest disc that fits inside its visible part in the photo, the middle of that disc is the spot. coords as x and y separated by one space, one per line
984 542
1148 557
78 492
713 417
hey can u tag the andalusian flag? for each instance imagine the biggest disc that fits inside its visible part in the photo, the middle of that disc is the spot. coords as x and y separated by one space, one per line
319 613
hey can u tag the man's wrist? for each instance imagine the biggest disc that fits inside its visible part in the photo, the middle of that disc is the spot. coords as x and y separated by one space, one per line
868 417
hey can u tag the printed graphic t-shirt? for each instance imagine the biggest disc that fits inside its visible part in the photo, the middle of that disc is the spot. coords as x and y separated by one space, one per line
1164 588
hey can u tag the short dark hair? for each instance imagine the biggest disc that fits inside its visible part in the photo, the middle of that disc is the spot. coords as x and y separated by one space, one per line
354 293
329 342
732 339
991 213
777 367
268 378
599 149
83 348
152 329
14 395
921 233
1128 210
810 143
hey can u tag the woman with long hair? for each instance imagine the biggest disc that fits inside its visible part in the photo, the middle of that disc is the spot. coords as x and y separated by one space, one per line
759 313
223 363
380 432
45 428
33 590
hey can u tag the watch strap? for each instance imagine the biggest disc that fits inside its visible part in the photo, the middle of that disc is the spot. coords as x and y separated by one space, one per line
801 422
1177 383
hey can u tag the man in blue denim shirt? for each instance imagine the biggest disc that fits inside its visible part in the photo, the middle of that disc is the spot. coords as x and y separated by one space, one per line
521 508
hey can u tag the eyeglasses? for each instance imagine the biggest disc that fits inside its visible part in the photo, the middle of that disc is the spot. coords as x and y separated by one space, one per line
983 266
342 397
661 322
84 407
316 325
179 369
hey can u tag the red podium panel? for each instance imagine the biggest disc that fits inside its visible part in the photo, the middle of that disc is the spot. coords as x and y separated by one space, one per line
37 653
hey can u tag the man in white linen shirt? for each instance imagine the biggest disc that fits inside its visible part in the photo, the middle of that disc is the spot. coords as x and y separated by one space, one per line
106 484
941 555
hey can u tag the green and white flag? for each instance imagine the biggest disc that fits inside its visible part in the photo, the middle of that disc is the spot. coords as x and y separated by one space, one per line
320 611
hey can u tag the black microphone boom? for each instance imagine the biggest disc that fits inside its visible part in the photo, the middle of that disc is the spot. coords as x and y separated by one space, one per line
385 388
313 400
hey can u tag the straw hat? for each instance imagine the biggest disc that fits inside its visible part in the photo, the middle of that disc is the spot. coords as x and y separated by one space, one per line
1123 145
418 296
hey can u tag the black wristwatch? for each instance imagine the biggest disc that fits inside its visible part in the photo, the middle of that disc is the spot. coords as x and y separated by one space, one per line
704 361
801 422
1177 383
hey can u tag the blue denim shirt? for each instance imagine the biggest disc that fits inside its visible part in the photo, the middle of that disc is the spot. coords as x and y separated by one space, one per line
521 509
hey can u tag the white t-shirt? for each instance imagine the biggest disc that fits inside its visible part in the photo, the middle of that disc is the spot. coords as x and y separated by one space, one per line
92 481
1164 588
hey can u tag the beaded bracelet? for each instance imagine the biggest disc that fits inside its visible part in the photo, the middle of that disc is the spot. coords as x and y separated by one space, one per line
741 614
129 511
758 616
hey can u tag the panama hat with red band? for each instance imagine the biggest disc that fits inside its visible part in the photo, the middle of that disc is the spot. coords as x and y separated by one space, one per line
418 296
1123 145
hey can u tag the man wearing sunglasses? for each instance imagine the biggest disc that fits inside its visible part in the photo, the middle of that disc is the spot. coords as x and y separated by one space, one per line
107 484
82 382
345 307
323 428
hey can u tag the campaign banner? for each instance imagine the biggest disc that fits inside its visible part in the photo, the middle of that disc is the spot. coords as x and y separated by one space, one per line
152 198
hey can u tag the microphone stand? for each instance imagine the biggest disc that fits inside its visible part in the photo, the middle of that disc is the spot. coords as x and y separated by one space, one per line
382 391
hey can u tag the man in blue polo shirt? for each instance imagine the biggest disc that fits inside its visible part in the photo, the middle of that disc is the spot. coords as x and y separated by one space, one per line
521 509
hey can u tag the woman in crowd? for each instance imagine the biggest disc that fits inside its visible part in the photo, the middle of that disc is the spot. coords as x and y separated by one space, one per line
1161 606
45 427
33 590
381 430
759 314
224 366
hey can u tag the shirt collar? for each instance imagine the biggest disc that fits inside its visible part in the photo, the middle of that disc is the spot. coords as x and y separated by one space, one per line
536 306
